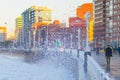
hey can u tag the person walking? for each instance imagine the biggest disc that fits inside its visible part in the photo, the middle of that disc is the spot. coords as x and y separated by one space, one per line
108 54
97 50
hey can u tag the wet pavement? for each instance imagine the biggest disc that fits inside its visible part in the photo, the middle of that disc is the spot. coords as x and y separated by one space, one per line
114 69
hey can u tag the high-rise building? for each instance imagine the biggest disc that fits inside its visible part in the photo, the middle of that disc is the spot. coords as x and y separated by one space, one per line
3 34
99 21
18 22
27 21
44 14
36 14
31 16
113 22
107 21
18 29
81 11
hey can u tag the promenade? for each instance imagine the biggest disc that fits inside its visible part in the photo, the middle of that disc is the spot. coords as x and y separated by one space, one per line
114 70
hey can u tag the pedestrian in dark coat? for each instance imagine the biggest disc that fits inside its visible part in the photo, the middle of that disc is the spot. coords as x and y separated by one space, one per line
108 54
97 50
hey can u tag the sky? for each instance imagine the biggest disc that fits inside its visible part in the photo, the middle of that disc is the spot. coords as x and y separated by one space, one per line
61 9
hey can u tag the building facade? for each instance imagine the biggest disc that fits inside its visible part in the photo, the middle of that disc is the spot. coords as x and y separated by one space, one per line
27 21
99 21
3 34
18 30
49 35
113 22
31 16
44 14
107 21
81 11
77 27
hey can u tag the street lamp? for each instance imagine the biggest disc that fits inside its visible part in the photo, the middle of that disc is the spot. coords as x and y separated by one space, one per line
34 36
78 42
29 39
47 37
87 16
71 43
87 48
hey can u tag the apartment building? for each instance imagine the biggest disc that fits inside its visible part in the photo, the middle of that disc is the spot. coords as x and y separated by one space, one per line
31 16
107 21
99 21
3 34
113 22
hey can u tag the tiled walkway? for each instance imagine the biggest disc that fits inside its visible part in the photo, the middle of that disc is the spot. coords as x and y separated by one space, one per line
114 69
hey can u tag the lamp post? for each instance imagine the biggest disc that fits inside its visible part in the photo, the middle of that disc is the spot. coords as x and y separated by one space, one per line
34 35
87 48
87 17
20 37
47 38
78 42
29 39
71 44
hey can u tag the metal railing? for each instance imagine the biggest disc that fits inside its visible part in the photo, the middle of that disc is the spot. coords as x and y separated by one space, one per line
94 69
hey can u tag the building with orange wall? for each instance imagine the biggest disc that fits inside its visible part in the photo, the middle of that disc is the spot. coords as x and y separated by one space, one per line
3 33
81 11
56 22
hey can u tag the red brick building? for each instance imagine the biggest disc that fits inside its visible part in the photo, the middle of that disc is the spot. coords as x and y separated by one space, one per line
76 23
107 21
